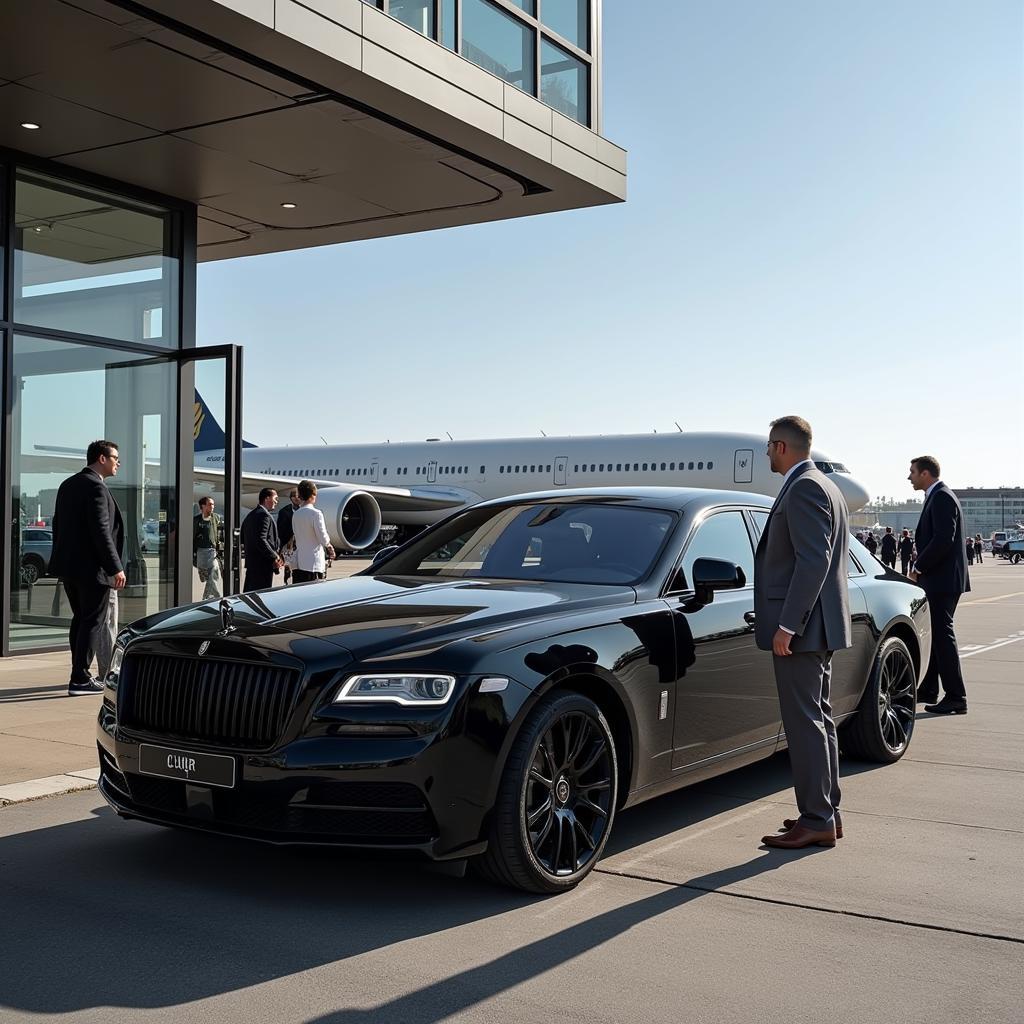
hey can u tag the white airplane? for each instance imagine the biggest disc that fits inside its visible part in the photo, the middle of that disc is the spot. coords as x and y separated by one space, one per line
413 484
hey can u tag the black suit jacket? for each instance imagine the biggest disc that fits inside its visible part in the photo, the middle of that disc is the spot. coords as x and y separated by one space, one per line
284 524
88 532
888 546
259 538
941 546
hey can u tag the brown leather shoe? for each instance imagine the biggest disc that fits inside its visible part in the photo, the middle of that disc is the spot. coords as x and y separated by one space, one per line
788 823
799 837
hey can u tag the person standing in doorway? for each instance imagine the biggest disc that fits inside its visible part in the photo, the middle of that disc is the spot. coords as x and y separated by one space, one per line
284 526
311 538
941 569
262 547
206 549
88 544
889 548
906 552
802 615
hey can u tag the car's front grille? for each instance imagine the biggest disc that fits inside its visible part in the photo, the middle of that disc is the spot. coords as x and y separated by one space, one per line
233 704
360 812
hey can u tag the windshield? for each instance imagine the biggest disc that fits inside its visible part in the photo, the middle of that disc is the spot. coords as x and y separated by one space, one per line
565 543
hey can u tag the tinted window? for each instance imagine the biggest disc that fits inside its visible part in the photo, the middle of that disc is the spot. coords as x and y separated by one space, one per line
723 535
606 544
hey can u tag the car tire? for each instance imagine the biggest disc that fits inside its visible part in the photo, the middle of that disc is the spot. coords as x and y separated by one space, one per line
883 725
556 799
31 571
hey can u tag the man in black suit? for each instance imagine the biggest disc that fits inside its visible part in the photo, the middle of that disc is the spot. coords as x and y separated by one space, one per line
262 548
906 552
88 541
889 548
284 524
941 569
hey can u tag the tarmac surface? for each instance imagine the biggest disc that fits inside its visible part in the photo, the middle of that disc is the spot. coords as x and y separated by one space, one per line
917 915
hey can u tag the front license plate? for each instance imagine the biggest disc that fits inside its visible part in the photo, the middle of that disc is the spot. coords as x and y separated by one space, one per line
187 765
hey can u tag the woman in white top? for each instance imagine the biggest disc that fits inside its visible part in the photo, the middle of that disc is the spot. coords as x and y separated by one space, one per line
311 539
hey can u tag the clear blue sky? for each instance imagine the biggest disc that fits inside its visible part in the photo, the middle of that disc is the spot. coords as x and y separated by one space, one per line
825 217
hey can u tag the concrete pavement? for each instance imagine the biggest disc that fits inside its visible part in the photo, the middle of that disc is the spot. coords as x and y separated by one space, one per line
916 915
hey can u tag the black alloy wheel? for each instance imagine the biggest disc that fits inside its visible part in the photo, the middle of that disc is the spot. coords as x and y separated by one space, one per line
884 723
556 801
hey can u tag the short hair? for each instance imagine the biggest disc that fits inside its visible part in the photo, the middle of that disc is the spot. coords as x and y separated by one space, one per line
928 463
306 489
204 499
795 431
293 493
888 529
98 448
266 492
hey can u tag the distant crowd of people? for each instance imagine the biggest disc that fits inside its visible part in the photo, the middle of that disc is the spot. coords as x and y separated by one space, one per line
889 546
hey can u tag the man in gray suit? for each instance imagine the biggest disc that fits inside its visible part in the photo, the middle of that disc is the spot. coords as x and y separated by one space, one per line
802 609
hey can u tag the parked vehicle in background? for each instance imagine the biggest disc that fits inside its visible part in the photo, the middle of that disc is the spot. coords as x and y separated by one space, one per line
36 546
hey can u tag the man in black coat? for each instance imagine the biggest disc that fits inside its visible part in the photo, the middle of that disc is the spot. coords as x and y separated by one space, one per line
906 552
88 542
889 548
284 524
941 569
262 548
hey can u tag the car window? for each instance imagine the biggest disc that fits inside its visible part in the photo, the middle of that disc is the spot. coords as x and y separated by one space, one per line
760 519
571 543
722 535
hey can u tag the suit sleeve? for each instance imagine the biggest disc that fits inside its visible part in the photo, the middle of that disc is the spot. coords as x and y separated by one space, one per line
101 531
323 537
809 519
944 515
268 549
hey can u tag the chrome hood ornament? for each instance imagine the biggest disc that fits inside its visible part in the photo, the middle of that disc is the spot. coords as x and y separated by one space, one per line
227 616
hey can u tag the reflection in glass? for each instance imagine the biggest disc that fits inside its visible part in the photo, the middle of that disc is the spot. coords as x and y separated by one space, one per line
448 23
417 14
66 395
723 535
569 19
88 262
563 82
499 43
530 6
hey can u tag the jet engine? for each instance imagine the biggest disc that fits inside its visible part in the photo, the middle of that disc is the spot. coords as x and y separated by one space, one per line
352 517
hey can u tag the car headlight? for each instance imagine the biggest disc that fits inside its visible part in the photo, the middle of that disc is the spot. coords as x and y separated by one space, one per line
418 690
114 671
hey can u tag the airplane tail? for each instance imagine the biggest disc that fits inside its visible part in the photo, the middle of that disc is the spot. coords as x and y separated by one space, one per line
207 434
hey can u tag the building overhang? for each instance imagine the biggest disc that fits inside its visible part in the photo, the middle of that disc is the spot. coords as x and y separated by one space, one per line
288 125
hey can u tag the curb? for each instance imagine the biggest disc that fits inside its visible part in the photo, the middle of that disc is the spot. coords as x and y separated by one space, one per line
52 785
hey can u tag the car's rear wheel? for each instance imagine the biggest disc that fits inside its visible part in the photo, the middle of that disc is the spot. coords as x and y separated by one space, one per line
556 800
884 722
31 570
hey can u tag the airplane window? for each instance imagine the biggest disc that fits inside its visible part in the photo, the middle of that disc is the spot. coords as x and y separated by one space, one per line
549 469
691 465
671 465
533 469
483 469
711 465
700 465
825 467
501 469
575 469
663 465
592 467
636 466
645 465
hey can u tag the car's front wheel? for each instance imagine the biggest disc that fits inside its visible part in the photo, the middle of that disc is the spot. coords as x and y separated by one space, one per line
556 800
884 722
31 571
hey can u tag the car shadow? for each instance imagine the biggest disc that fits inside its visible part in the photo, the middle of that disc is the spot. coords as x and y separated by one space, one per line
103 912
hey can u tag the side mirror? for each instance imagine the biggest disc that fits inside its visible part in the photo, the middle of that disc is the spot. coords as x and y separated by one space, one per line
382 553
711 574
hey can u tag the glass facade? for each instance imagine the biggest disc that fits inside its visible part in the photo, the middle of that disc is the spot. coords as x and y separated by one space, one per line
512 38
92 341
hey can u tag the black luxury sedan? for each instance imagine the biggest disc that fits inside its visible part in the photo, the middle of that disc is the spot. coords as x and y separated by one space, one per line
497 688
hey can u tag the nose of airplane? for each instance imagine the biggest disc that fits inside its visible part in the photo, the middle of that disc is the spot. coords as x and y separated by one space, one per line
855 493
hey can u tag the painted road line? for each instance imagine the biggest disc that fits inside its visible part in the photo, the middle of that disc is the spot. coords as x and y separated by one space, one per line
989 600
992 647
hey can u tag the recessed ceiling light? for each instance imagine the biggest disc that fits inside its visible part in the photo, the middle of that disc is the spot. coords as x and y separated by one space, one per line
288 206
30 125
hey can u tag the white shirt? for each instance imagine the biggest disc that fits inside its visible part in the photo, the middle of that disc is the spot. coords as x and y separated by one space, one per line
310 539
928 493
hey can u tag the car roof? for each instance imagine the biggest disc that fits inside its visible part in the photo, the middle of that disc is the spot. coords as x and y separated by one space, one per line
674 498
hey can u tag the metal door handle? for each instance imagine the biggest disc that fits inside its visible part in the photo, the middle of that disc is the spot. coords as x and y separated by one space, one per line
749 617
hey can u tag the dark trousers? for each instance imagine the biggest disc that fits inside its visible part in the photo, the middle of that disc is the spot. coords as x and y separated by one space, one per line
258 576
891 561
305 576
945 659
804 680
89 603
904 565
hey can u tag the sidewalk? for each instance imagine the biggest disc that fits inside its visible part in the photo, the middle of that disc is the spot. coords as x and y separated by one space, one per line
47 740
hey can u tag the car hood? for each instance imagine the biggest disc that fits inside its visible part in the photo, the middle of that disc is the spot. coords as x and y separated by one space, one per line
367 614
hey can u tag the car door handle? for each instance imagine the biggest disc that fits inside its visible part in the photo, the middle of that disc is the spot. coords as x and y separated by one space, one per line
749 618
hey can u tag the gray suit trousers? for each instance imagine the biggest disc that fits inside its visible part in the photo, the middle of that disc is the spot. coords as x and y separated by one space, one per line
803 681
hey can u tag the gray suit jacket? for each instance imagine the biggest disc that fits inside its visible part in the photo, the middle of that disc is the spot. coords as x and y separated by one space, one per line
800 569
